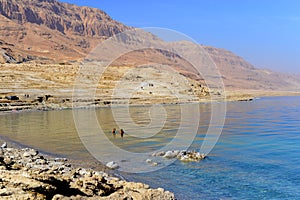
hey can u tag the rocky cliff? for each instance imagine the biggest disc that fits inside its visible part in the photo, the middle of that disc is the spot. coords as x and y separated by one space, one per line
51 30
65 18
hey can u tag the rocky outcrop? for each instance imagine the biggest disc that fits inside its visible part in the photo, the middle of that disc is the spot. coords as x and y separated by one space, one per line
8 55
51 31
65 18
26 174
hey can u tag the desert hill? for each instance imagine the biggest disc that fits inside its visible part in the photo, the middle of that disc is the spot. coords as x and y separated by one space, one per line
238 74
43 42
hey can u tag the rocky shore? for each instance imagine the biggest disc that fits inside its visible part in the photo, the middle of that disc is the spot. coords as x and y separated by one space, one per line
27 174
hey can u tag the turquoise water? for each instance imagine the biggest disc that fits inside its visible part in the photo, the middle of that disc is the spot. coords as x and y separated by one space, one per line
256 157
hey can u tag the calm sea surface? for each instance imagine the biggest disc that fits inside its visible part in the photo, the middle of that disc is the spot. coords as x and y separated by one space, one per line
256 157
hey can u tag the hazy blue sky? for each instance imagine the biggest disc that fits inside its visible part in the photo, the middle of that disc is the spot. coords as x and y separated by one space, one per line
264 32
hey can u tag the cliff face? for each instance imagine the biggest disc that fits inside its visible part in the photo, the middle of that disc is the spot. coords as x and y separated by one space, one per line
49 30
65 18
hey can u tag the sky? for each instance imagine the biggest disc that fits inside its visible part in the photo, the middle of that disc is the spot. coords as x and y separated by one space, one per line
264 32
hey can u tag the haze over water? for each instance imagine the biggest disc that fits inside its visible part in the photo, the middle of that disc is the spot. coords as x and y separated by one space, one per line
257 156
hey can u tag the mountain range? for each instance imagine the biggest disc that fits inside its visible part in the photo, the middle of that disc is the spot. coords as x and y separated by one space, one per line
49 31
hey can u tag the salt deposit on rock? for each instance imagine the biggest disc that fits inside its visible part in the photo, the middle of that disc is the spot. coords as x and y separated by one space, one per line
112 165
171 154
185 156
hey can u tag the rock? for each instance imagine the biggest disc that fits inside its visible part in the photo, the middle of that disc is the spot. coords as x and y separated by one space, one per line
9 149
8 161
82 172
41 161
34 177
171 154
57 197
68 165
192 157
149 161
30 153
4 145
161 153
26 154
112 165
185 156
60 160
5 192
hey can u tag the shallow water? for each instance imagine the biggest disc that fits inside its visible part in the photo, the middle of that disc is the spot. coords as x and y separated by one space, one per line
256 157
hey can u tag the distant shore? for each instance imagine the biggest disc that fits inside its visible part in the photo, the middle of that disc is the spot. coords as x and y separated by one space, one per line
37 87
9 106
28 174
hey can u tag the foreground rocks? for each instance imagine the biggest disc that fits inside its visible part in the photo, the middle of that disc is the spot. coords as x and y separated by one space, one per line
26 174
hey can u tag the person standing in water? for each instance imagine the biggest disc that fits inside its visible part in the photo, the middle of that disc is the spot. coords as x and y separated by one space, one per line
114 132
122 132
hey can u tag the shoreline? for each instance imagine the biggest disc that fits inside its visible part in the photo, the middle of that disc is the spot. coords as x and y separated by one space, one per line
28 174
13 106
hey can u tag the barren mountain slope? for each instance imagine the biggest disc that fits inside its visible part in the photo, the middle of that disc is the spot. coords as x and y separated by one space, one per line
52 30
238 74
48 31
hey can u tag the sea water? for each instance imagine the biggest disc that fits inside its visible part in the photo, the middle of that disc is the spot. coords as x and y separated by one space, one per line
256 157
